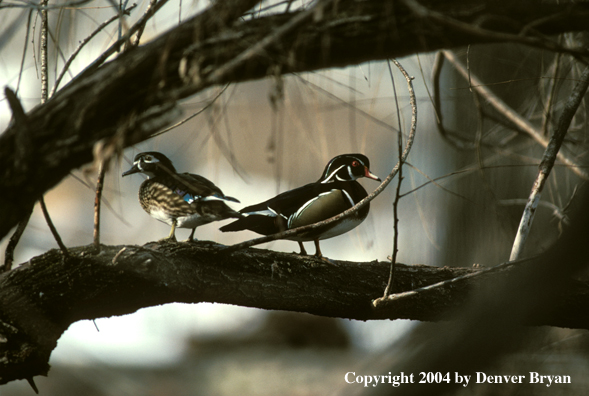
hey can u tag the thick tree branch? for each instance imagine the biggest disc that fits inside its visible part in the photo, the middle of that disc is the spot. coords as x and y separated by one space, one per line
130 98
41 298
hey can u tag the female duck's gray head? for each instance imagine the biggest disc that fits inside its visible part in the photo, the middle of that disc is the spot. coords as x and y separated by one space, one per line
151 163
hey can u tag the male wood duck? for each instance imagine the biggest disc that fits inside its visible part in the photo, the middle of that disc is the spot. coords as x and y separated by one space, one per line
180 200
334 192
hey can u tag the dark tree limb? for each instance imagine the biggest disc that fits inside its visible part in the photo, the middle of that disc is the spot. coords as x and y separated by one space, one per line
41 298
127 100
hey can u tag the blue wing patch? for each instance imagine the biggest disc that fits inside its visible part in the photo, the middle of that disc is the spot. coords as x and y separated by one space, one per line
189 198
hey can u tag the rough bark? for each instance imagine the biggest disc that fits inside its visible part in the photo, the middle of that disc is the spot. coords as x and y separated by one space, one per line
123 102
41 298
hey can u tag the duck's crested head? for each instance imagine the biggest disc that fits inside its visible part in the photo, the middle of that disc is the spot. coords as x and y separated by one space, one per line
347 167
151 163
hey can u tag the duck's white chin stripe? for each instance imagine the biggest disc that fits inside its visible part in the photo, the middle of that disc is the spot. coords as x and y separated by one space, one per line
328 178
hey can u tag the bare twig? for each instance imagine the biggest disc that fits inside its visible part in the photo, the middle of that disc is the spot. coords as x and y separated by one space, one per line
82 44
557 211
551 95
359 205
391 280
140 24
44 66
44 93
380 302
547 163
42 6
364 113
14 239
97 199
452 139
190 117
104 200
511 114
435 181
402 159
456 174
52 228
24 52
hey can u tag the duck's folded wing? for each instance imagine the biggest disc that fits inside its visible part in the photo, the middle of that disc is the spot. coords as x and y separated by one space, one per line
195 187
321 207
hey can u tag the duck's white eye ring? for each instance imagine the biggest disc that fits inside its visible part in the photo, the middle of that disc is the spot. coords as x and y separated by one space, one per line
148 158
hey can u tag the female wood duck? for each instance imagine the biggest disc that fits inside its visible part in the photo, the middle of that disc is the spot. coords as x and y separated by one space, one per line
336 191
180 200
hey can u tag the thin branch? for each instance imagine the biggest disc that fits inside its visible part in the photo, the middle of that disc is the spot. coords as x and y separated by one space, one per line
557 211
44 65
14 239
547 163
348 104
391 281
24 52
43 5
435 181
461 172
552 269
97 200
52 227
511 114
140 24
380 303
190 117
44 93
551 95
104 200
81 46
453 139
362 203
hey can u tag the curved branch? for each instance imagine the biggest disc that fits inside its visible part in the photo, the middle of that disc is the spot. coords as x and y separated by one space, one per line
41 298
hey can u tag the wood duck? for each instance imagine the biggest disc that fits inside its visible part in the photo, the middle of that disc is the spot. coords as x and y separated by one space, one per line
334 192
180 200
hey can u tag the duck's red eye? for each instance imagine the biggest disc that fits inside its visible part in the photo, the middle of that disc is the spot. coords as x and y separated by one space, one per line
355 163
